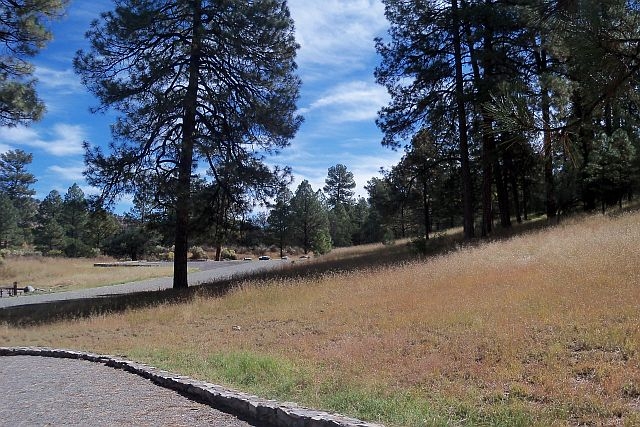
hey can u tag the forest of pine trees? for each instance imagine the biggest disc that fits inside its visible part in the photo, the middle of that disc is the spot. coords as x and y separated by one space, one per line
502 110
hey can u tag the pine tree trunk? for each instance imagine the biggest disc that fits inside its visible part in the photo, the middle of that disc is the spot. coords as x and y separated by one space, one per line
488 148
183 190
503 192
513 182
525 197
425 205
549 184
467 185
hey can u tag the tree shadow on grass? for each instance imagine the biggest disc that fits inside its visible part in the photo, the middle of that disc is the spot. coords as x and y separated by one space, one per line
379 257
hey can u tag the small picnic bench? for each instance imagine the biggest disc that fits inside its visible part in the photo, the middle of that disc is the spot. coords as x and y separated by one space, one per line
12 290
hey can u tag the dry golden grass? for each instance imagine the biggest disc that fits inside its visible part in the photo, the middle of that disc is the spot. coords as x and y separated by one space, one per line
63 274
541 329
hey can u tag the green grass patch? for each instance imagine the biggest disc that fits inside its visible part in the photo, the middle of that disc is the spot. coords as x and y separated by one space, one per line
276 378
267 376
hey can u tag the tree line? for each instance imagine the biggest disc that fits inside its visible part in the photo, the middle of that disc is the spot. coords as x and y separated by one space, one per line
502 109
73 225
511 105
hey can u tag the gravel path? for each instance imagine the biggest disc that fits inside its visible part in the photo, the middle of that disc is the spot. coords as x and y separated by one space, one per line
209 271
45 391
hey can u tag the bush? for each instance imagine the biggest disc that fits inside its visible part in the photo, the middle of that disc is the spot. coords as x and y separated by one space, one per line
228 254
55 253
156 252
388 237
198 253
437 243
322 242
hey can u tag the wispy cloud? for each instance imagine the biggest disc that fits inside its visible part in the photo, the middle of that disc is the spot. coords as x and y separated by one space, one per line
61 140
68 173
4 148
350 102
64 82
337 32
363 166
363 169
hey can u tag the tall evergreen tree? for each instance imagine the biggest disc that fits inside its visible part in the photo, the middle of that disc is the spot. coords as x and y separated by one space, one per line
49 233
360 216
194 80
280 218
16 182
9 231
382 209
103 226
339 186
23 33
340 227
339 191
310 223
74 219
422 68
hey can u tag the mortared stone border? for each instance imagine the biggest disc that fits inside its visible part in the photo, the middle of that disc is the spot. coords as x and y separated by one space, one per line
238 403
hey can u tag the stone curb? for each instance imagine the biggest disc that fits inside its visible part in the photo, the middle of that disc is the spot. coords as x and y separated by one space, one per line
238 403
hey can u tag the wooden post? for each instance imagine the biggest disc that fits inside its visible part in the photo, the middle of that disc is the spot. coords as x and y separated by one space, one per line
15 289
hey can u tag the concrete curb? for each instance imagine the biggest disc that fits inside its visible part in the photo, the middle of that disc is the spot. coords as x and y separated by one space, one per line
241 404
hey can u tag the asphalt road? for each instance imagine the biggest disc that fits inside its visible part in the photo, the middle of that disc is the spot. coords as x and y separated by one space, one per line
209 271
40 391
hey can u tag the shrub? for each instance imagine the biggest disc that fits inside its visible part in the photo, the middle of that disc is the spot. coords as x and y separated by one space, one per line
198 253
157 252
388 238
438 242
322 242
55 253
228 254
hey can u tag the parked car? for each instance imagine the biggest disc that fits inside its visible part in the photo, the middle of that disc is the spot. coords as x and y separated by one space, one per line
264 258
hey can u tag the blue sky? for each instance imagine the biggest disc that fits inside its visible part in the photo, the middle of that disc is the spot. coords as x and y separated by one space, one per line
339 98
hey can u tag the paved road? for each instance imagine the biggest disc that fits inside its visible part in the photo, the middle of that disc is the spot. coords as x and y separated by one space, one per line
44 391
209 271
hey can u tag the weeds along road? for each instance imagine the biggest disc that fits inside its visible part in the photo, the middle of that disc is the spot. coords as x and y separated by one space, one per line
208 271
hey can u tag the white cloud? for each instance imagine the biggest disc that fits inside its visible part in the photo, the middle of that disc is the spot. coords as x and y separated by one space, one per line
364 167
61 140
4 148
68 173
350 102
337 32
63 82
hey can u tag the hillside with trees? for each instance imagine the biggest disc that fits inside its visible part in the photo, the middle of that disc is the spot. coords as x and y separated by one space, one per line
503 111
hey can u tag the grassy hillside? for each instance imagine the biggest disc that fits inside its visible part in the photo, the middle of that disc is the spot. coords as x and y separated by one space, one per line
540 329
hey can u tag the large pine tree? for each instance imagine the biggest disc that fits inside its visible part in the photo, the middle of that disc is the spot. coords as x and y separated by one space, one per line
423 68
209 81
